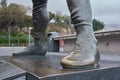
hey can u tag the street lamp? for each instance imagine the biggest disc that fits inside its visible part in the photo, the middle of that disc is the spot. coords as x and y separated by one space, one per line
30 28
9 38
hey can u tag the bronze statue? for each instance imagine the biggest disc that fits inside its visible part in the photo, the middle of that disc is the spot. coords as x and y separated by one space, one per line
84 53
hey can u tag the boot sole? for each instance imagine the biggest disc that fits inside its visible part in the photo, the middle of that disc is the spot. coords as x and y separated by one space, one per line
93 65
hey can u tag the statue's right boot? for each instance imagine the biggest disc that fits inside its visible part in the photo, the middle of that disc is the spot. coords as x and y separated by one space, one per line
84 55
40 21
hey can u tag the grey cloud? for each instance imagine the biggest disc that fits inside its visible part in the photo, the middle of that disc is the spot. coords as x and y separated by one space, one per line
24 2
105 6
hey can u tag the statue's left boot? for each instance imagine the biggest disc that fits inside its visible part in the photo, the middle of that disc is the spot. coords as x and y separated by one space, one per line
85 54
40 21
38 47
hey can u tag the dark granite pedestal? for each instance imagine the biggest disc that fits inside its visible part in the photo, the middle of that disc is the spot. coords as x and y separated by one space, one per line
48 68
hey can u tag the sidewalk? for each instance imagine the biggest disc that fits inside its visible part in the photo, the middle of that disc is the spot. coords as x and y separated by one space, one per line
7 51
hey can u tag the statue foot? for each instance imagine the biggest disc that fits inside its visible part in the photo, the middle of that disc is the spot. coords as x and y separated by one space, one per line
85 54
73 61
32 50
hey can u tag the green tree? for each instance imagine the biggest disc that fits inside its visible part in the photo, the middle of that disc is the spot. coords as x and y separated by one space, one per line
51 16
3 10
5 18
18 13
3 3
97 25
12 15
66 19
28 21
61 22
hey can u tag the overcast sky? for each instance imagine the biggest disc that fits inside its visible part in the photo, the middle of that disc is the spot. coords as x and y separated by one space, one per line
107 11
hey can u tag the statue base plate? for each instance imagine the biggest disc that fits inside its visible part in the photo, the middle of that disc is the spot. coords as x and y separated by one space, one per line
49 68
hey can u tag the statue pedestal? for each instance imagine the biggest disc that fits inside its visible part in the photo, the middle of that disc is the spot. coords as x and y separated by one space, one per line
48 68
9 71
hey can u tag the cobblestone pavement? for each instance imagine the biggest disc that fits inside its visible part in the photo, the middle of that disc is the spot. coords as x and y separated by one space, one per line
7 51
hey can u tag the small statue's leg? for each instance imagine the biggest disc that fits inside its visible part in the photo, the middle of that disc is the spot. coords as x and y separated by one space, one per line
85 53
40 21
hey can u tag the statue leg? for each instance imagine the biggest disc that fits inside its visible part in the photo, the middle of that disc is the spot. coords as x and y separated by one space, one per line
85 53
40 21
